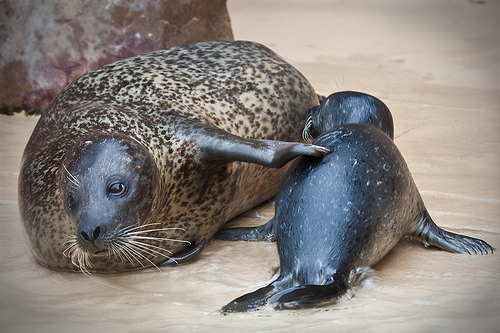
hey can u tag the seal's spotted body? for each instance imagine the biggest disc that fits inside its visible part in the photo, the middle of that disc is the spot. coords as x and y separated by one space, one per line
194 109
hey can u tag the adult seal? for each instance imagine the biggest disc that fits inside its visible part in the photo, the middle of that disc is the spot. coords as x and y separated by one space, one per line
138 162
337 215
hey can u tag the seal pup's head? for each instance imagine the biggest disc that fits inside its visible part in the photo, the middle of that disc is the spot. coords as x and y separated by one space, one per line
348 107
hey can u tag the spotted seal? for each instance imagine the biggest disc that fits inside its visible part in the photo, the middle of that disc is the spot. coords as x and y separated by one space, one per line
339 214
136 162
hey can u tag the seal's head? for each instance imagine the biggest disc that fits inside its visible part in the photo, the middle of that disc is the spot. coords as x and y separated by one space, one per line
348 107
100 209
107 192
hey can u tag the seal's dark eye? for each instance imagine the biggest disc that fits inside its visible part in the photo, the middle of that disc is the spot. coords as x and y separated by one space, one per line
71 200
116 189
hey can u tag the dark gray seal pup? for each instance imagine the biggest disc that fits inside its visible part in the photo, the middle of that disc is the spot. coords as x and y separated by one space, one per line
348 107
340 108
135 161
339 214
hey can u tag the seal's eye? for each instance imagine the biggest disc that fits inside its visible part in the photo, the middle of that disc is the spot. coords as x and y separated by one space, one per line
71 200
116 189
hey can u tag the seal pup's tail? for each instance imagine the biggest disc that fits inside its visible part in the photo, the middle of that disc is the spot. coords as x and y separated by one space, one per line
309 295
338 290
280 295
251 301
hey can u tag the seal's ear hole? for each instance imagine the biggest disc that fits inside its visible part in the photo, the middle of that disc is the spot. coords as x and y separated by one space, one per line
138 162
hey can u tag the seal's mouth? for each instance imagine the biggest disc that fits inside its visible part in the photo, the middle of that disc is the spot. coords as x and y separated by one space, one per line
142 245
101 253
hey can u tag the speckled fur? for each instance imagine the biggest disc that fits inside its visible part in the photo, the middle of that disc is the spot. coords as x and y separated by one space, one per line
164 100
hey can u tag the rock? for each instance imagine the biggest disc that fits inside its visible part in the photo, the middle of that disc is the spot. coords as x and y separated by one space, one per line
46 44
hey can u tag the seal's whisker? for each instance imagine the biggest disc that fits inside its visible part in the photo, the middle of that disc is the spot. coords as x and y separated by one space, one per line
124 254
160 239
144 249
137 252
114 252
306 134
68 252
135 230
72 179
122 250
154 223
78 257
126 251
82 261
127 246
135 227
72 239
151 230
151 248
126 229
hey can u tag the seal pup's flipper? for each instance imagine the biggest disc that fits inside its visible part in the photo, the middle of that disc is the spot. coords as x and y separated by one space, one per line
290 298
251 301
262 233
426 231
185 257
218 146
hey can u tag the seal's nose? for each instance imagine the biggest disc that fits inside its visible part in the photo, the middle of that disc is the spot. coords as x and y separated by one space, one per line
91 235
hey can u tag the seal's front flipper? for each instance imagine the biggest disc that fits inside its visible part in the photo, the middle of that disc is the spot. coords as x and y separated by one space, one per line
186 257
220 146
426 231
308 296
263 233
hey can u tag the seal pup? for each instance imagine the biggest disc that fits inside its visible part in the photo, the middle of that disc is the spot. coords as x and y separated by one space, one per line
341 213
340 108
136 162
337 215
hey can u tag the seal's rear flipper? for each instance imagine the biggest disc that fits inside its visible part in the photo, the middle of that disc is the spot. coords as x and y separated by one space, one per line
251 301
218 146
426 231
290 298
263 233
308 295
186 257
